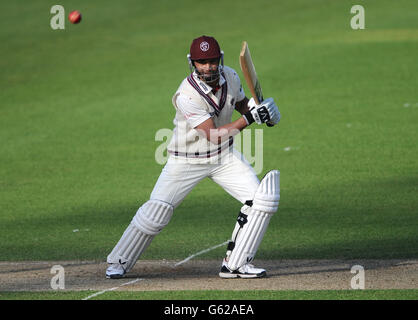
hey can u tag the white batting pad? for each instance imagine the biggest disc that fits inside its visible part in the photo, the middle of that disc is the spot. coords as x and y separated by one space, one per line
265 204
148 221
153 216
267 196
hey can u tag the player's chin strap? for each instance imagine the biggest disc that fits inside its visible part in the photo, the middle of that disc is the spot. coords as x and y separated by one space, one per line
215 76
253 221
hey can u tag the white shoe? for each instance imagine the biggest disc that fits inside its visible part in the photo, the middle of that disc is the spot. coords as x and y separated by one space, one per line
247 271
115 271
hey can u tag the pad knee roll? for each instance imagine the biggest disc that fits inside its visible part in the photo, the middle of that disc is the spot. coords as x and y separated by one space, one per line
267 196
153 216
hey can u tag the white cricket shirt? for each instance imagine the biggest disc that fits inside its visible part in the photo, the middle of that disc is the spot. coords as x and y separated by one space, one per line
195 102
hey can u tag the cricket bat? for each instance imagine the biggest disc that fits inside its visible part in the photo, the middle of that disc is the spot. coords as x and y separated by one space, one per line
250 75
248 69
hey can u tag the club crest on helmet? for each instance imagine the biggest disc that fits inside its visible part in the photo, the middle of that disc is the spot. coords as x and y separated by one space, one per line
204 46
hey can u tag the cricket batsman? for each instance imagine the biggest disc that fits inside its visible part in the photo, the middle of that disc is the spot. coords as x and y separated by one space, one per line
202 147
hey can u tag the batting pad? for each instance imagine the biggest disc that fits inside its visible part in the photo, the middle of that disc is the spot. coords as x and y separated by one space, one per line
265 204
148 221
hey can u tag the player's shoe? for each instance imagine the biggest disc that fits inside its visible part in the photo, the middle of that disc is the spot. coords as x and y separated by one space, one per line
115 271
247 271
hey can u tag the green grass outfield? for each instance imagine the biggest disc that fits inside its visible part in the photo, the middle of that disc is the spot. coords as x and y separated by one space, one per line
219 295
80 107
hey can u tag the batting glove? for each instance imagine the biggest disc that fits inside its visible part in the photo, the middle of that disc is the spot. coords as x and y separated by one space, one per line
266 111
274 112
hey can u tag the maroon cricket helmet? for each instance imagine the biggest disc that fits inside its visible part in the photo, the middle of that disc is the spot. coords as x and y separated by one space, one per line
205 47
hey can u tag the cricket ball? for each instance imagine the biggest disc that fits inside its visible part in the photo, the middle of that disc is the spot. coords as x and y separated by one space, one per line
74 16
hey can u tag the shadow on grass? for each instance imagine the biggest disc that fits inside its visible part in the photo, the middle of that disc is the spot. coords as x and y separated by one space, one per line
370 219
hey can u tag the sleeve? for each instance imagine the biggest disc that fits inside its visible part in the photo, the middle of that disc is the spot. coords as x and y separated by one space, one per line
238 85
192 112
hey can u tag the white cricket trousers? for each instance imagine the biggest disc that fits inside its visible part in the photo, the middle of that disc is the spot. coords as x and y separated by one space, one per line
178 177
176 180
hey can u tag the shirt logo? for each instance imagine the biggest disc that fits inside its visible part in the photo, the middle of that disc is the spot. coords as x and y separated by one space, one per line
204 46
203 86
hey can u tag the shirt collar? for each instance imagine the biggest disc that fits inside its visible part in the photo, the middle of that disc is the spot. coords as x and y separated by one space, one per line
204 86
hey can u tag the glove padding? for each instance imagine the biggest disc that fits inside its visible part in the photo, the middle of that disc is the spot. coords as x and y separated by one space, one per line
266 112
275 113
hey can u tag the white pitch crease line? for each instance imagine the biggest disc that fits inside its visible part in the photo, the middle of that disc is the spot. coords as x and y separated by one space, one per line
111 289
200 252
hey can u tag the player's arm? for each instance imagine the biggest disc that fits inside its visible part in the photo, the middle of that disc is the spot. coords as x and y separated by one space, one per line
218 135
242 106
251 112
199 119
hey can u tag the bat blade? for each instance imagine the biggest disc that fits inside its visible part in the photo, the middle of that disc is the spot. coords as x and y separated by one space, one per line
250 75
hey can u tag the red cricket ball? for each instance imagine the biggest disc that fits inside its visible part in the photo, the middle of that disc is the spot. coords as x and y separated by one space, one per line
74 16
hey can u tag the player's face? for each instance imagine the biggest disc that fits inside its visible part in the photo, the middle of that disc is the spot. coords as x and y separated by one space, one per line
208 69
